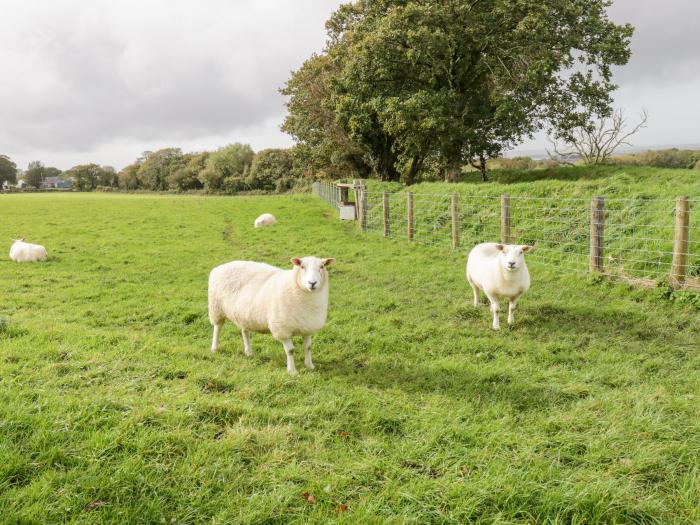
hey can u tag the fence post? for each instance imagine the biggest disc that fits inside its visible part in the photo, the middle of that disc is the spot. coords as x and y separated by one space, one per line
363 207
505 219
595 260
455 221
355 187
409 215
680 243
385 205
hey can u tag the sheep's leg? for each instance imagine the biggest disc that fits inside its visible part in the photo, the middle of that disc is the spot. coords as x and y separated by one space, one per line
511 309
247 348
307 352
289 350
495 309
475 289
215 337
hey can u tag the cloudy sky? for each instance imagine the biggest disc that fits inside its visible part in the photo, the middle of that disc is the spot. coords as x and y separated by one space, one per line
102 81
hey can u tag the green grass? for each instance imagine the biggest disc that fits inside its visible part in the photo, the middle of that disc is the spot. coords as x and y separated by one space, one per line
113 410
551 209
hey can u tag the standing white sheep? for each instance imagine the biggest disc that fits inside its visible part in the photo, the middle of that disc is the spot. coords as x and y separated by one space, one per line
266 219
21 251
500 271
257 297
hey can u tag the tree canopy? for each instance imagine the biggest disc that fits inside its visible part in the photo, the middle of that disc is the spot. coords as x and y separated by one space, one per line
446 82
8 170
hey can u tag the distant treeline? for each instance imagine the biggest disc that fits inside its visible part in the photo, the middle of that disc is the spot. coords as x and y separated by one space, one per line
237 169
232 169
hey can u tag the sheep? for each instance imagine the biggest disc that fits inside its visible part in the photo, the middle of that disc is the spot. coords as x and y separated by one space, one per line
258 297
27 252
266 219
500 271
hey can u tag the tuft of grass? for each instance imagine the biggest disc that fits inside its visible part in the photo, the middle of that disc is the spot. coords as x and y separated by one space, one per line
113 409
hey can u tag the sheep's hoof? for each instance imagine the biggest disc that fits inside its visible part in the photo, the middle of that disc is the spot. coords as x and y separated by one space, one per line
293 372
495 327
214 349
310 366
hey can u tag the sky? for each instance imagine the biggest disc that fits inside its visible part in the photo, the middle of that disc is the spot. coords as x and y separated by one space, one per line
103 81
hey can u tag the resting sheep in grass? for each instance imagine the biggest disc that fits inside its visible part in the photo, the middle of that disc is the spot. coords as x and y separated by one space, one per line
27 252
257 297
266 219
500 271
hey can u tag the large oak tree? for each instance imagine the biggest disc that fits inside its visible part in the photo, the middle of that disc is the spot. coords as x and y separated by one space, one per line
454 81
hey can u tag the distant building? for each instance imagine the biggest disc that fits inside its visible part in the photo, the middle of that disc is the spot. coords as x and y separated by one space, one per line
65 184
21 184
50 182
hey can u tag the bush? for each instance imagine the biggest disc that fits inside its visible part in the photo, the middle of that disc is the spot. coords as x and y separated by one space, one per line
270 169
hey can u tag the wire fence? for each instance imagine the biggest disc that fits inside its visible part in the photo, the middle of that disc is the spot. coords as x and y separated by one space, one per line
638 240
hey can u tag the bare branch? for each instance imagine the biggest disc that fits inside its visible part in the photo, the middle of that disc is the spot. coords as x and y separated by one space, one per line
595 144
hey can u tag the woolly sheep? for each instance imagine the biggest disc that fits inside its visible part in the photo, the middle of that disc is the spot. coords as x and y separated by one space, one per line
21 251
257 297
500 271
266 219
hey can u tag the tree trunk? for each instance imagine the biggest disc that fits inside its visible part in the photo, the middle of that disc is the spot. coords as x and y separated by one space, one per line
416 165
481 167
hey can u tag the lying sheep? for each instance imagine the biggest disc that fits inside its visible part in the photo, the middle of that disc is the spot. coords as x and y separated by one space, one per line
266 219
258 297
500 271
27 252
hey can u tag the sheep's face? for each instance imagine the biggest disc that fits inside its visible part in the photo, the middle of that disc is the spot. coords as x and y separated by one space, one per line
311 272
512 256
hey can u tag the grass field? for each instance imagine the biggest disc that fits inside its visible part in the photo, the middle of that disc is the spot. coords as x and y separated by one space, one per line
551 209
113 410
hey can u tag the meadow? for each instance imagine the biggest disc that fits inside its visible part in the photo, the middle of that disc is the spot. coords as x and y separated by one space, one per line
113 409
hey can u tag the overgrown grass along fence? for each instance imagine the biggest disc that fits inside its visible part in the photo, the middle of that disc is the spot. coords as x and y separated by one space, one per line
639 240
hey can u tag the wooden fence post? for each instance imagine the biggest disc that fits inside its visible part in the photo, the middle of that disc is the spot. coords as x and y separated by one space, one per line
505 219
455 221
595 260
680 243
409 215
385 205
355 188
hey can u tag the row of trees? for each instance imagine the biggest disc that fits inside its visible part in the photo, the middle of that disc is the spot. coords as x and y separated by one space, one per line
230 169
412 88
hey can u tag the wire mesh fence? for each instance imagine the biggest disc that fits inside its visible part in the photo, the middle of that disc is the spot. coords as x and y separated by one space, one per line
639 240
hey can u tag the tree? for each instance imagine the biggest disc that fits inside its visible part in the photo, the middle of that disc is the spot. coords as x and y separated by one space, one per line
85 176
8 170
127 179
456 81
596 142
322 143
156 167
34 174
107 177
270 170
187 177
230 161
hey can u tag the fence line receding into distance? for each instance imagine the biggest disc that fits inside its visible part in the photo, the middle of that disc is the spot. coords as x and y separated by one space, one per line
638 240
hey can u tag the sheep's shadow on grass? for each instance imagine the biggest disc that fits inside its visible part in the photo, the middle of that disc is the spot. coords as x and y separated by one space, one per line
457 383
596 321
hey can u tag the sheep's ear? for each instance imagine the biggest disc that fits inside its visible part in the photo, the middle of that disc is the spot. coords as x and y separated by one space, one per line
22 239
328 262
296 261
527 248
500 247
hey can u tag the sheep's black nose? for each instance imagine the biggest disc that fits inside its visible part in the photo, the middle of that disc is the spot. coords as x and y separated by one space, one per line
511 264
313 284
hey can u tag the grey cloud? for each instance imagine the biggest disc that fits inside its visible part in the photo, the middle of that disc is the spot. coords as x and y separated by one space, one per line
666 42
174 71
